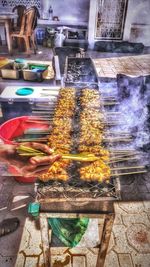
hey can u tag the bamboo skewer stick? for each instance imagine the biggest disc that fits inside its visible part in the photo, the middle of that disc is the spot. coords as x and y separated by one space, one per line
51 89
44 118
37 131
42 111
123 139
110 103
45 105
22 140
123 159
38 121
45 94
120 133
120 156
122 151
128 173
124 168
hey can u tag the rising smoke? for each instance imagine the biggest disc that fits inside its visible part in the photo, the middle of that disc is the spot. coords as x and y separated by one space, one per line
133 95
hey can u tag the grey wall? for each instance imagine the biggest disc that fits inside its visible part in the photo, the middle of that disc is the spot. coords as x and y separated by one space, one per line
137 26
75 10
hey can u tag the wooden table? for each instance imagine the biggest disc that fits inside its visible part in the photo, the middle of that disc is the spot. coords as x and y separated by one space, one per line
5 18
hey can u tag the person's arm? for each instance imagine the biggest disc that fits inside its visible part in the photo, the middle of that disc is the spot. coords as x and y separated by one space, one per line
28 166
7 151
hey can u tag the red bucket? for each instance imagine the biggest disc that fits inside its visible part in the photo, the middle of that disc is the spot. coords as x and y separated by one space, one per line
14 128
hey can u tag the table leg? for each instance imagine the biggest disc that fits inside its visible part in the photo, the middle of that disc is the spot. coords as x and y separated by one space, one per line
107 229
9 43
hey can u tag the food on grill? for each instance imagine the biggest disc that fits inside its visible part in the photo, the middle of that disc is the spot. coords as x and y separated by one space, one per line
91 137
88 140
90 98
58 171
92 114
97 150
95 171
60 138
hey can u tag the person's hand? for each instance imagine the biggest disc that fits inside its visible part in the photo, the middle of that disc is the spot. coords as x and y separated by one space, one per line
26 166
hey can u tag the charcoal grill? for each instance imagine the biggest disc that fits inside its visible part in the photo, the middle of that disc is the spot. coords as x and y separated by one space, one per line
77 198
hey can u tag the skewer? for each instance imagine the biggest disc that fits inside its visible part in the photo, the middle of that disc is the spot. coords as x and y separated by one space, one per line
118 136
121 156
44 94
21 140
124 168
42 109
38 122
112 113
44 119
123 159
42 112
38 131
110 103
117 139
128 173
49 89
122 150
44 105
120 133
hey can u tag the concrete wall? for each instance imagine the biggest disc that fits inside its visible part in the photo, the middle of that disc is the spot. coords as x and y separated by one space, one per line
73 10
137 24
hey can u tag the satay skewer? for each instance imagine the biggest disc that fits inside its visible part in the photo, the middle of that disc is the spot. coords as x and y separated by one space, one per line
123 159
42 139
127 167
128 173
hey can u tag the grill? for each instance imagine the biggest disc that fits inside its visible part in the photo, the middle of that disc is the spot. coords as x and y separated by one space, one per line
77 198
89 196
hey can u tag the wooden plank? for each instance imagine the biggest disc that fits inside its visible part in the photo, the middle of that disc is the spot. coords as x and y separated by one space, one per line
100 228
71 215
108 224
45 240
83 205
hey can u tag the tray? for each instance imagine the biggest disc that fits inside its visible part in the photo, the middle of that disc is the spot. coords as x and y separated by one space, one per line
80 71
34 72
8 71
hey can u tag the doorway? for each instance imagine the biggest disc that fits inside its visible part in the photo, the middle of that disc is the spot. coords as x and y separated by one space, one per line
110 19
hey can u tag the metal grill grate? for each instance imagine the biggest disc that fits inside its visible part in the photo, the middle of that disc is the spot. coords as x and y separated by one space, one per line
78 188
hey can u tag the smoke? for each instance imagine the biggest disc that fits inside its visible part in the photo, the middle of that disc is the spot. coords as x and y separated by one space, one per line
134 108
133 96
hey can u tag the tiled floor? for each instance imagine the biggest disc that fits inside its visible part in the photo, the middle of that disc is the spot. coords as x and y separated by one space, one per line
129 244
130 240
131 65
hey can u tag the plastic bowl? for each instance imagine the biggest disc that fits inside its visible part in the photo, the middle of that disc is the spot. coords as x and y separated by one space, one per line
14 128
